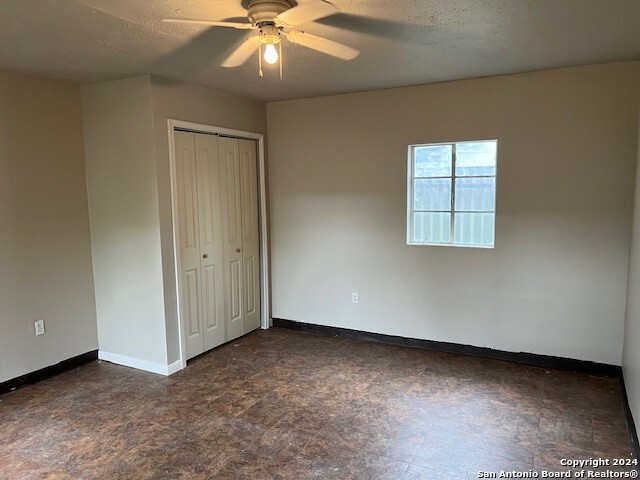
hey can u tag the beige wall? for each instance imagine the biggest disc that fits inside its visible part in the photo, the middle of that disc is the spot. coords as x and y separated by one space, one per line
556 282
125 231
45 250
192 103
631 351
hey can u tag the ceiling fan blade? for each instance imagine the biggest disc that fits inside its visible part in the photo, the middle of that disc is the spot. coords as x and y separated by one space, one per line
307 12
242 53
323 45
210 23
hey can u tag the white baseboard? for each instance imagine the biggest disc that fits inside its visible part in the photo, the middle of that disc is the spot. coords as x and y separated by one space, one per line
145 365
174 367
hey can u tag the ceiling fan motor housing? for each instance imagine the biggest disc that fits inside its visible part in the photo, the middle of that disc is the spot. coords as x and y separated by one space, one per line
269 34
261 11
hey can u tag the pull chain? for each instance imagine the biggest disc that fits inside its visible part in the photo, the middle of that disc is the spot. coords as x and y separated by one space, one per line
280 48
260 60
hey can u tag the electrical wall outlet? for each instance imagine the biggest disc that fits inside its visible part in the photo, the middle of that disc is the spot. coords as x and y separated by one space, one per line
39 326
355 298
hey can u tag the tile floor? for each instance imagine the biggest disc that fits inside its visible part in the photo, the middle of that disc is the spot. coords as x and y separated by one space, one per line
288 405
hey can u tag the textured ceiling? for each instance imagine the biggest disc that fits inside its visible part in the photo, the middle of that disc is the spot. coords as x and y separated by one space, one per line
403 42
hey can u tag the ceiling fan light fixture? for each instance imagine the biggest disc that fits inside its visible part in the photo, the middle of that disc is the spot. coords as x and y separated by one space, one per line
270 37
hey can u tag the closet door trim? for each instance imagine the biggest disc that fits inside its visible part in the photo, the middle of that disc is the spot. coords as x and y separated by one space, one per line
265 287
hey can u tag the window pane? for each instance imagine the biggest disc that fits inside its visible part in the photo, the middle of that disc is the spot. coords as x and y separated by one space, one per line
432 227
474 229
432 194
476 158
475 194
433 161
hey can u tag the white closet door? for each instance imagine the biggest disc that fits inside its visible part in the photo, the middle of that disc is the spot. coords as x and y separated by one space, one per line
250 235
189 238
211 264
231 211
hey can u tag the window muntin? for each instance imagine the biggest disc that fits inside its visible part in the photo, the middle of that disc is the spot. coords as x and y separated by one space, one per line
452 194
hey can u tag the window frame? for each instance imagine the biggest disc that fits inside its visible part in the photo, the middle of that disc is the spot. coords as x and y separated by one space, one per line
410 195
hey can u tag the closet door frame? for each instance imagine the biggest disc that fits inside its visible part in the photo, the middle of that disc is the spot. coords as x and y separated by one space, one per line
265 286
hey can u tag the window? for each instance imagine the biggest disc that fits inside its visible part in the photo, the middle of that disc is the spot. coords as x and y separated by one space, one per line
452 194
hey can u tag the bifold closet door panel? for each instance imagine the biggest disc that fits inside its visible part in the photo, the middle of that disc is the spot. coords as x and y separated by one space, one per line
231 212
210 228
250 235
189 238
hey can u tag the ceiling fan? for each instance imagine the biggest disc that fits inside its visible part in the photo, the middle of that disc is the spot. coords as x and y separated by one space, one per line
276 19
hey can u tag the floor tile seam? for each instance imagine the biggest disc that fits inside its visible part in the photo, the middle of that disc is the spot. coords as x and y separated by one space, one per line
505 441
272 426
189 381
164 427
571 423
186 397
361 459
440 468
513 425
555 441
483 427
256 373
320 430
260 454
237 414
404 470
452 417
301 452
502 457
424 439
452 442
386 455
